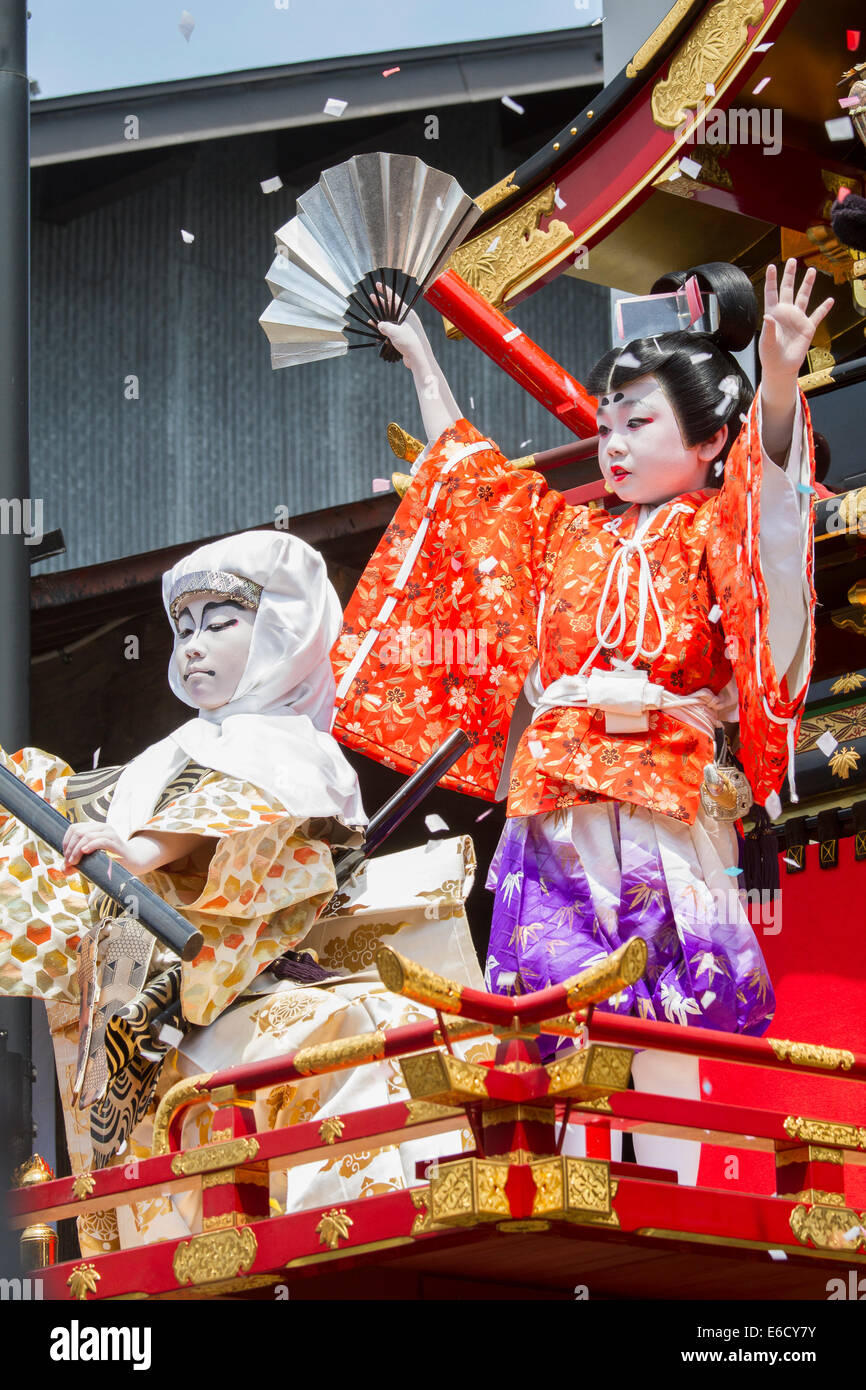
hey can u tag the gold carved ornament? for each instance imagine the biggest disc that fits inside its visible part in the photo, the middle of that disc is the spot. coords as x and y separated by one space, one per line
829 1227
704 57
658 37
334 1227
812 1055
422 1111
83 1186
498 193
443 1078
331 1129
825 1132
211 1156
82 1281
217 1255
854 616
606 977
497 260
193 1088
336 1056
416 982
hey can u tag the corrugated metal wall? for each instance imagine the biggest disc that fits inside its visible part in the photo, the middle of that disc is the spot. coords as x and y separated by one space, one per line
216 440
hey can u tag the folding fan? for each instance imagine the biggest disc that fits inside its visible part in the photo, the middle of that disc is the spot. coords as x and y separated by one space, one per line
378 218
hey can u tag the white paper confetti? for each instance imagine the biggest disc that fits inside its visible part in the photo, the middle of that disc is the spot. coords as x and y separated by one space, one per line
471 402
827 743
596 22
171 1036
525 443
763 47
505 979
513 106
334 107
536 749
515 333
627 359
773 806
494 243
744 419
187 24
96 757
696 357
760 87
854 1232
488 564
188 237
719 467
151 1056
122 1149
434 823
484 814
381 484
839 128
777 1255
271 185
558 199
715 613
710 89
792 863
690 167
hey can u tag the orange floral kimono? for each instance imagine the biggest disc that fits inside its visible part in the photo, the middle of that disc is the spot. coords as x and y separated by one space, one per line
487 587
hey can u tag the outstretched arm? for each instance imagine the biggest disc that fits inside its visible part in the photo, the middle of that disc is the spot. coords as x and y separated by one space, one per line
785 338
439 410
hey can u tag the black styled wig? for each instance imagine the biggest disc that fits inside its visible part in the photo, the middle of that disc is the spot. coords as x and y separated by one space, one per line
705 385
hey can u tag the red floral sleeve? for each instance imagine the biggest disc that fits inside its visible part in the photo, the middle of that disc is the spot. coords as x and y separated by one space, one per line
769 713
441 630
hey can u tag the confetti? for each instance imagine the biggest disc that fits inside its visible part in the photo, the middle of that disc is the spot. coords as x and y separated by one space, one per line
515 333
827 743
525 443
710 89
761 85
763 47
839 128
187 24
744 419
730 385
513 106
690 167
485 566
494 243
389 72
188 237
707 1088
334 107
151 1056
596 22
792 863
707 998
484 814
718 466
777 1254
173 1037
854 1232
434 823
773 806
733 872
852 37
847 102
381 484
122 1149
627 359
536 749
96 757
715 613
271 185
700 356
505 979
471 402
558 199
806 488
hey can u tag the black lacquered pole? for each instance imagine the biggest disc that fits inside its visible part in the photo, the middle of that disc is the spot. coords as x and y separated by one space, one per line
146 906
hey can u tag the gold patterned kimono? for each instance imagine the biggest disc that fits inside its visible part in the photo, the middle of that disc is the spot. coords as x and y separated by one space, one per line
260 893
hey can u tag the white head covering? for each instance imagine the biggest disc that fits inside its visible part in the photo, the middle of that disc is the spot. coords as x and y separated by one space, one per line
274 730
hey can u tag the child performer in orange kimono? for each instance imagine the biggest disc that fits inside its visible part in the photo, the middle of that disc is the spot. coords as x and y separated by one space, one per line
633 638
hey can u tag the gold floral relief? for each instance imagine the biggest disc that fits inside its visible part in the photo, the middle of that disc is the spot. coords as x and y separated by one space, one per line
829 1227
334 1227
82 1281
704 57
217 1255
496 260
826 1132
812 1055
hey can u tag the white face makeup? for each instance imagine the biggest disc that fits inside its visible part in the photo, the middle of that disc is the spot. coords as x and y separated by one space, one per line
641 450
211 646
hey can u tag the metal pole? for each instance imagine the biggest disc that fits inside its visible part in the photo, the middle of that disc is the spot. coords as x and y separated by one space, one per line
15 501
15 512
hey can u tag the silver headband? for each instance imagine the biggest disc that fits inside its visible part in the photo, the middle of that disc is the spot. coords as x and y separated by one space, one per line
221 582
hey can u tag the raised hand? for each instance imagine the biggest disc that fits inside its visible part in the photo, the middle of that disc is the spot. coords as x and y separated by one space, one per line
788 326
408 337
